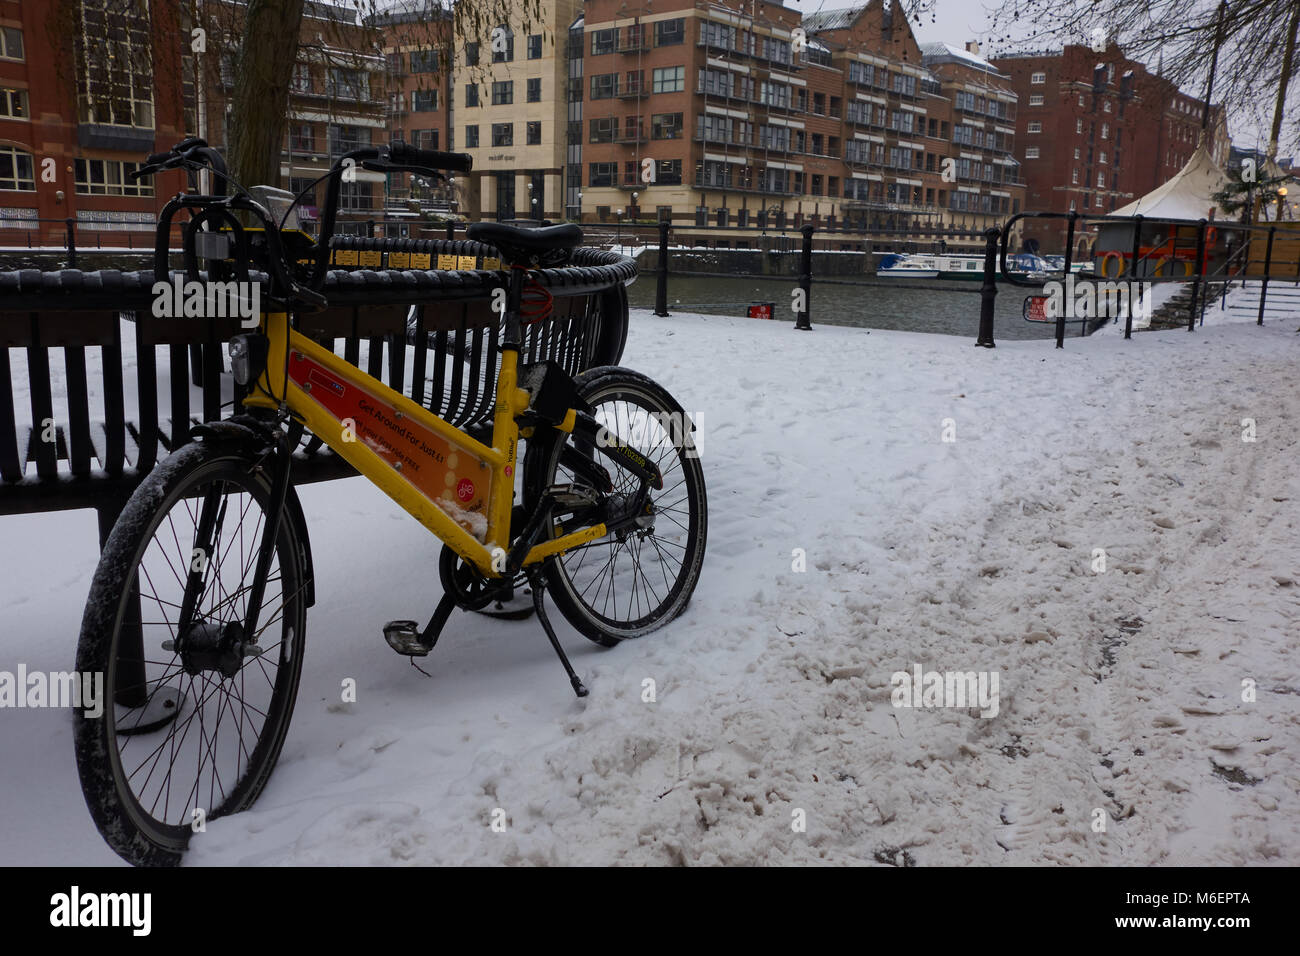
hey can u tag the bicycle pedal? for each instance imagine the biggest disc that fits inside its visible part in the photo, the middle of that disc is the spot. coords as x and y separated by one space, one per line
405 638
574 496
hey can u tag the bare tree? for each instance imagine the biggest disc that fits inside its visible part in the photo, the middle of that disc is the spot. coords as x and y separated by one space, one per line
1256 43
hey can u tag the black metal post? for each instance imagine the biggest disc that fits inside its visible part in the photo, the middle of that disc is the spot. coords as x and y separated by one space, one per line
1133 276
989 290
802 322
1200 269
1268 264
370 229
1069 255
661 277
451 231
72 242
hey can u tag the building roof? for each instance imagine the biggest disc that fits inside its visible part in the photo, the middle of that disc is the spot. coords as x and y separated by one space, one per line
830 19
947 53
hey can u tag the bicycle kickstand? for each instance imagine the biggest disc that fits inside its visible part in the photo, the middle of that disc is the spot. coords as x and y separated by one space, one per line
538 585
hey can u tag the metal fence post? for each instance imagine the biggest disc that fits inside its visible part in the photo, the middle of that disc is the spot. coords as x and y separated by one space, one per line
72 242
1268 264
451 231
1069 256
661 277
1133 276
370 229
802 321
1200 269
989 290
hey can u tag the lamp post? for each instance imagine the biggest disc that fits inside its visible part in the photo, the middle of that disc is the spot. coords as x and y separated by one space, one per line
579 205
1281 200
618 233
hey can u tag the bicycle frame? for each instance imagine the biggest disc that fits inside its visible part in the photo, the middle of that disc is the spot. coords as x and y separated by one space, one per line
414 456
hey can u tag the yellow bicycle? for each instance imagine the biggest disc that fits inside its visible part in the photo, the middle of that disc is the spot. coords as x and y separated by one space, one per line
197 612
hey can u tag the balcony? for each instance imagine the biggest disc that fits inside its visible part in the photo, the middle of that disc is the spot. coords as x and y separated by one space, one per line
629 135
634 91
634 44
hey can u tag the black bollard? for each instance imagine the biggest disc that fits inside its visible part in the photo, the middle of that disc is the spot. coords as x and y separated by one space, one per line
803 322
1200 275
661 276
72 243
451 231
989 290
1133 282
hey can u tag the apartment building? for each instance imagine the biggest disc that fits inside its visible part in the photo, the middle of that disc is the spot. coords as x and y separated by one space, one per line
510 115
77 117
1096 130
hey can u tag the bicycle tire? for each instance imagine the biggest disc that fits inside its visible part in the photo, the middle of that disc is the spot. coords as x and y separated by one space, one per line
125 806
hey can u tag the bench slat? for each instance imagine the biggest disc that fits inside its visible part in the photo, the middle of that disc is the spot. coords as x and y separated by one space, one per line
146 363
114 447
45 453
74 362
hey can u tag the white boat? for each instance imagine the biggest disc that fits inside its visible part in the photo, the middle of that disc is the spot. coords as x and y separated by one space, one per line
898 266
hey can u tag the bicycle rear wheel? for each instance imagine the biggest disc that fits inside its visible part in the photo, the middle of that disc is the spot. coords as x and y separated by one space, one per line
632 582
187 737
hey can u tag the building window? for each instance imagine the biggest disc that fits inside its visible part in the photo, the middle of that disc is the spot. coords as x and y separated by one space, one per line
94 177
471 137
348 84
115 79
603 129
471 94
1078 126
1101 159
534 134
503 45
604 86
18 170
1106 107
13 103
1074 176
424 138
668 172
670 32
1076 152
503 92
357 196
302 138
1038 78
534 46
1035 127
1101 184
535 90
1031 152
344 139
471 54
666 126
503 134
11 43
1036 99
300 82
424 61
1105 131
670 79
602 174
603 41
424 101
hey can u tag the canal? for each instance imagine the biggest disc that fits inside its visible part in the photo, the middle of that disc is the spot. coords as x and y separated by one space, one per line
950 307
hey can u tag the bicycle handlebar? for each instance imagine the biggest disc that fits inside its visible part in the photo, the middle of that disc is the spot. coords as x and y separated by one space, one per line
400 154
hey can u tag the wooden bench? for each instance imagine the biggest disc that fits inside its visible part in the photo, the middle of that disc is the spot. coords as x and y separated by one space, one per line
429 333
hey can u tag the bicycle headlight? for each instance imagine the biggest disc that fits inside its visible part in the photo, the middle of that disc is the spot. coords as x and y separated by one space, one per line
248 357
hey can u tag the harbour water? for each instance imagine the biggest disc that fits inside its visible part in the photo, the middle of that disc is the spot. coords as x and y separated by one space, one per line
948 307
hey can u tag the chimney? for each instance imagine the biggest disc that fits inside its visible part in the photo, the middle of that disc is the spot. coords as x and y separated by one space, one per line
973 47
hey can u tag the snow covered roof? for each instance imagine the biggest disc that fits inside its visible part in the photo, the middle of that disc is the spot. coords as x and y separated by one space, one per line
830 19
944 52
1187 196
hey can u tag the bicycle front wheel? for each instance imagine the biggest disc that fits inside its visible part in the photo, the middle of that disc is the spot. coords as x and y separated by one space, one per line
184 737
632 582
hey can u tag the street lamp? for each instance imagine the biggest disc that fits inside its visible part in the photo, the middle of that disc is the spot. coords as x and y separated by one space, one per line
618 234
1281 198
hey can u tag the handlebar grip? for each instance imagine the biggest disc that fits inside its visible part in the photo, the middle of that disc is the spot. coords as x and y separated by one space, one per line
405 155
157 159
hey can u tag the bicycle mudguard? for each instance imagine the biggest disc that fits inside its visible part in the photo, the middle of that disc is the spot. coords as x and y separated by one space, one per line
254 438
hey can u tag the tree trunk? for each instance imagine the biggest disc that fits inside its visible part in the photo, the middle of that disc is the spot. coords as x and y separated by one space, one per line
260 104
1284 81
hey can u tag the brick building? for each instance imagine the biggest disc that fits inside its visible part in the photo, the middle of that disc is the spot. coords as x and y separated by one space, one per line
69 136
1096 130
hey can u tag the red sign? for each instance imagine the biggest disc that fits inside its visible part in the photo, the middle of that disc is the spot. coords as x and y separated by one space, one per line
761 310
1035 308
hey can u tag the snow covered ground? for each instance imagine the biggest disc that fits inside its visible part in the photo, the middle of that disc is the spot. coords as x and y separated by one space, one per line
1120 692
